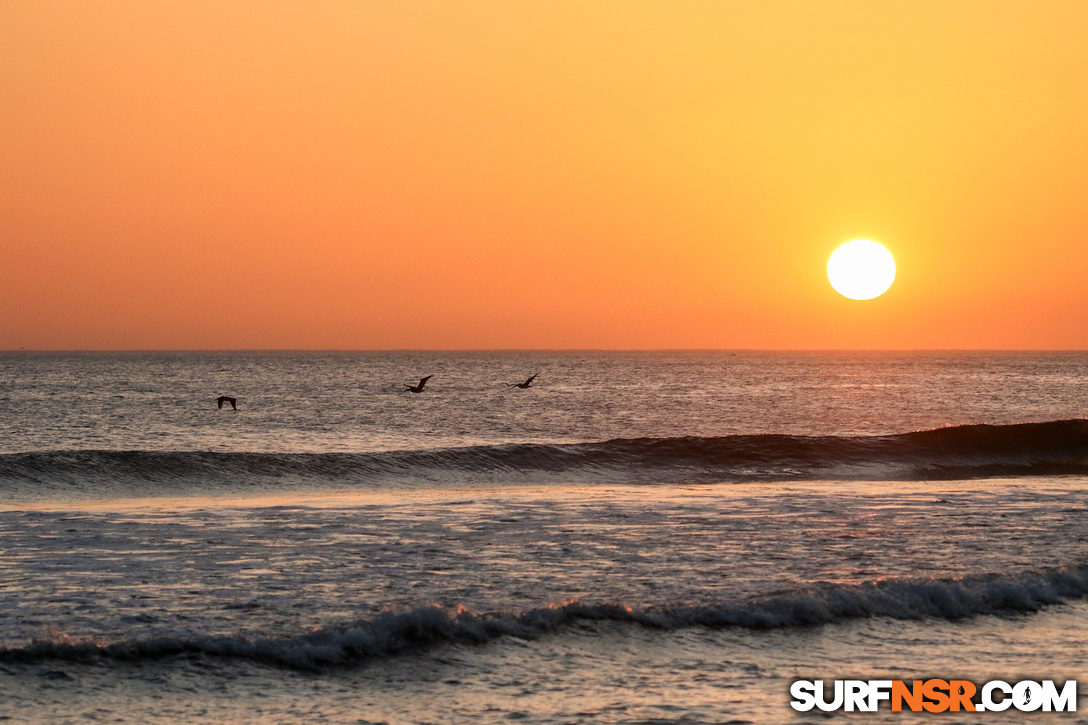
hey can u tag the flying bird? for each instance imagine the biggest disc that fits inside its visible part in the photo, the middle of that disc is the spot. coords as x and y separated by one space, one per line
227 399
418 388
524 385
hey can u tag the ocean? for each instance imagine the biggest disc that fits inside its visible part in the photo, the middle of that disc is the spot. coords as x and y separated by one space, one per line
637 537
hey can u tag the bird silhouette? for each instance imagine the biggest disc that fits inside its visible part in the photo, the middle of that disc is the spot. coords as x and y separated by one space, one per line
524 385
418 388
227 399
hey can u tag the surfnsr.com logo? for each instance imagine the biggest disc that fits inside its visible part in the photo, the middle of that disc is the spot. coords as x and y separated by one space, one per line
934 696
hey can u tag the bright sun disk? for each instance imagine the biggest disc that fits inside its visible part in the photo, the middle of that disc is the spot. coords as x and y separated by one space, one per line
861 270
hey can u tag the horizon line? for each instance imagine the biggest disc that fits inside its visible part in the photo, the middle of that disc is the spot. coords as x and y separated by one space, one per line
554 350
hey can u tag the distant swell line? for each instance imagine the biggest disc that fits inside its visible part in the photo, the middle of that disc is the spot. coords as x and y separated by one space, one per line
392 634
971 451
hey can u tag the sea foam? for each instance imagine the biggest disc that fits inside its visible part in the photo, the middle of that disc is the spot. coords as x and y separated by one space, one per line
394 633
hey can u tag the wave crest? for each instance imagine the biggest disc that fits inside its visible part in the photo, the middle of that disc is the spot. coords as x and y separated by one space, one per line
396 633
961 452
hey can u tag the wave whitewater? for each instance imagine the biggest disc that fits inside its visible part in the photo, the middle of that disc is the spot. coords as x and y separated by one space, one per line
396 633
961 452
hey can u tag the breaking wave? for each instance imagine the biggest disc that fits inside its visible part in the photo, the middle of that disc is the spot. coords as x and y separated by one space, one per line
961 452
396 633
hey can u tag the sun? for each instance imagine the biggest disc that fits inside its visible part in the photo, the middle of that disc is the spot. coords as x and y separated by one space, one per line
861 270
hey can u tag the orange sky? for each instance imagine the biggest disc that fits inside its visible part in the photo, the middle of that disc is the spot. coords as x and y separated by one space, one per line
361 175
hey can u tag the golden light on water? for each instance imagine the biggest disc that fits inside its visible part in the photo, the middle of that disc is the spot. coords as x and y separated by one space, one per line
861 269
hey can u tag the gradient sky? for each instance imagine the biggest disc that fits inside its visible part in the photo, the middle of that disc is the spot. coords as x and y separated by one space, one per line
377 175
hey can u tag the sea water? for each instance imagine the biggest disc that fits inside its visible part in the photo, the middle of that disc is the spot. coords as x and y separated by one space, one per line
637 537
